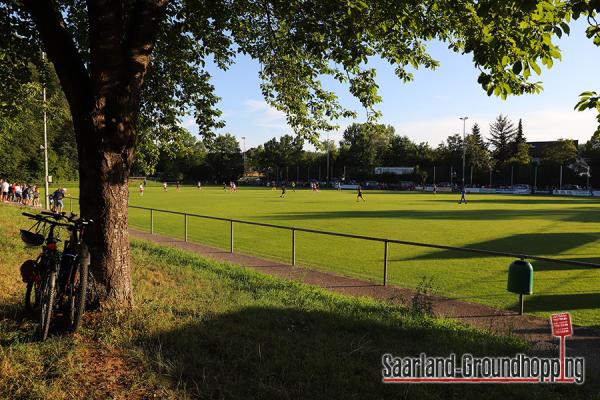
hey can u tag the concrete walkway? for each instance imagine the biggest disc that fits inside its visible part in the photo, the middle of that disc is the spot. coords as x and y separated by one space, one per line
584 342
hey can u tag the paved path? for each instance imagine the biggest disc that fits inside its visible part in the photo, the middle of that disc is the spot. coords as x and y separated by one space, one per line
585 341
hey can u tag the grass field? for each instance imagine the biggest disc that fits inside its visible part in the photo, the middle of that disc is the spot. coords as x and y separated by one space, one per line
203 329
545 226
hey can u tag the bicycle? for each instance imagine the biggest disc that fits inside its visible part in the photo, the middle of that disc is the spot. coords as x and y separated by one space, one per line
56 280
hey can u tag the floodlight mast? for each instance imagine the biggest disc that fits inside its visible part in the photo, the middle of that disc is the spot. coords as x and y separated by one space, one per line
464 120
47 203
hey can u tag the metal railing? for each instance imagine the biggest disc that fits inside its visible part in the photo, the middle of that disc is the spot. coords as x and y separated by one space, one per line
385 241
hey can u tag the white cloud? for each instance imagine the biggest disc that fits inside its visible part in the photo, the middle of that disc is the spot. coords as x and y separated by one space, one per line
267 116
546 124
187 123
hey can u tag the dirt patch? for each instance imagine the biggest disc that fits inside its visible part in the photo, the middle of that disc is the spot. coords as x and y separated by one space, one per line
107 374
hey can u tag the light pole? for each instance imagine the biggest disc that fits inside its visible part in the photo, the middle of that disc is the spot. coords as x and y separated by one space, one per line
244 153
327 158
464 120
47 202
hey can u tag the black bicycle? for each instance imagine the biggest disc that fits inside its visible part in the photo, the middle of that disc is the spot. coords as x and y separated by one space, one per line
56 281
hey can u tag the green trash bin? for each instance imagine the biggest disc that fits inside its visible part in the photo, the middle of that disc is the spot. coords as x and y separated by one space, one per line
520 279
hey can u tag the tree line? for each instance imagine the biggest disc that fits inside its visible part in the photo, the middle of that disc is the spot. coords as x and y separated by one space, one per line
219 158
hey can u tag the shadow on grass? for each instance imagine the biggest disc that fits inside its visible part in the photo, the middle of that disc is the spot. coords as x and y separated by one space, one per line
527 200
546 266
526 243
560 302
16 325
579 214
264 352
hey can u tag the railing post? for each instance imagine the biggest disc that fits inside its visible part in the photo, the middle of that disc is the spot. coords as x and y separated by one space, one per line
231 233
293 247
152 221
385 262
185 228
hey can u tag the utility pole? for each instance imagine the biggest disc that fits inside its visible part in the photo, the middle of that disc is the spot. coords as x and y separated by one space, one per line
47 203
327 158
471 176
560 181
587 185
464 120
244 153
511 175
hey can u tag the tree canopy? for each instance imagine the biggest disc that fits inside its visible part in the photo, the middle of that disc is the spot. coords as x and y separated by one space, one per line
130 69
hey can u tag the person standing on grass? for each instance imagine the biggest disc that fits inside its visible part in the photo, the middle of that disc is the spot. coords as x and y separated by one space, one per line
199 185
360 195
233 186
164 186
224 186
282 191
293 186
25 195
58 196
3 190
463 198
141 189
36 196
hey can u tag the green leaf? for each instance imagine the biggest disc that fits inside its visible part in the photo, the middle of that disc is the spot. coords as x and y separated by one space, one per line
535 67
517 68
565 27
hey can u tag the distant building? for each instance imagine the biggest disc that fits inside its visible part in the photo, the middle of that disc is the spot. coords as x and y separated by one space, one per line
394 170
537 149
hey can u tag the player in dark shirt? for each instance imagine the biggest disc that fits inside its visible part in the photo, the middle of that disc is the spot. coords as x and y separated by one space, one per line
282 191
360 194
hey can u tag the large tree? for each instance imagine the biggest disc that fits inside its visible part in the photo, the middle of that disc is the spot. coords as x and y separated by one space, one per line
502 134
125 66
282 153
367 144
560 152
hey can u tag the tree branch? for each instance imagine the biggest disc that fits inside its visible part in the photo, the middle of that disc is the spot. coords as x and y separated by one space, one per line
138 45
61 50
106 39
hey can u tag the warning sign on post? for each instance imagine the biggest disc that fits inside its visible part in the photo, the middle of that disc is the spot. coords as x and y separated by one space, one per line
561 324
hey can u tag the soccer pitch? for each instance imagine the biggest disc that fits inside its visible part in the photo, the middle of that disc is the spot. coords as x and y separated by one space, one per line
557 227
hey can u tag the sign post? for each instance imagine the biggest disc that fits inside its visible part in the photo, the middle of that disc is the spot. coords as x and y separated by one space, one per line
561 327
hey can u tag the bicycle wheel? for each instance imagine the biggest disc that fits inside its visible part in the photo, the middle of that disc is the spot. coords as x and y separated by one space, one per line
32 296
47 299
77 294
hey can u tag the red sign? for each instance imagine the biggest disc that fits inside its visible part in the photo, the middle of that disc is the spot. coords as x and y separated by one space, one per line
561 324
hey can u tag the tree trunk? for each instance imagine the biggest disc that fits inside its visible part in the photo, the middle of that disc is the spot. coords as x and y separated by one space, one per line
104 195
104 97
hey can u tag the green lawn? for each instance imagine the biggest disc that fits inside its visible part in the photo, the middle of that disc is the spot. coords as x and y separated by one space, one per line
208 330
547 226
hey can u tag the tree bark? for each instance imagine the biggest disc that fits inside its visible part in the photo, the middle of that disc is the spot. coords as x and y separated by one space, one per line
104 195
104 99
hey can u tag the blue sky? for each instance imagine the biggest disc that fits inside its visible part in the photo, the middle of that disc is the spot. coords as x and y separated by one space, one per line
428 108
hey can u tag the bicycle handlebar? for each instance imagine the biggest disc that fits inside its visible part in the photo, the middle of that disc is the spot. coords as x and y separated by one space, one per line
41 218
73 218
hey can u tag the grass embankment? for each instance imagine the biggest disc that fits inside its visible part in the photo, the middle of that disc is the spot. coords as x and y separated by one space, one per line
209 330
